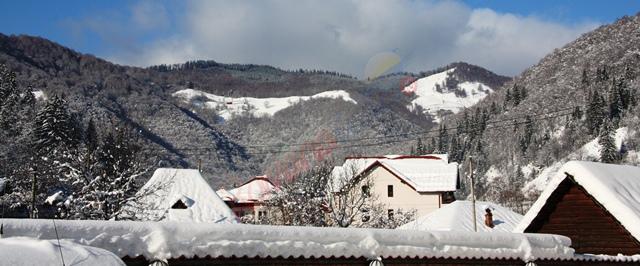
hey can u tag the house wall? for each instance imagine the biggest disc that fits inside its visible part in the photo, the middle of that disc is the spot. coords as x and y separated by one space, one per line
404 197
572 212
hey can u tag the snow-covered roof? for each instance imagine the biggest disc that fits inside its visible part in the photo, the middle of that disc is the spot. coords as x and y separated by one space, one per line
457 216
425 173
615 187
257 189
165 240
28 251
168 186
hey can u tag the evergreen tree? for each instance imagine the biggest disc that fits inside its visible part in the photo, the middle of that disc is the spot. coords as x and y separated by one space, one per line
615 104
608 151
442 140
54 127
420 149
595 112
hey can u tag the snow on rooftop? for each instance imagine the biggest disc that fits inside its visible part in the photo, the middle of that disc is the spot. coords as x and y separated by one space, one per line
18 251
228 107
168 186
165 240
432 101
457 216
615 187
257 189
424 173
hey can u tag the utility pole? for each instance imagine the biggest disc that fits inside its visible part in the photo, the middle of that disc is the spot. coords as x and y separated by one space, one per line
33 194
473 195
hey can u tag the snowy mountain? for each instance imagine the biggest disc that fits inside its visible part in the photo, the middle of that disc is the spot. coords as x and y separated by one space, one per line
445 93
233 120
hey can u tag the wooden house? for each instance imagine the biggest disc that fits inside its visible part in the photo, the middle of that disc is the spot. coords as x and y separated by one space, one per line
596 205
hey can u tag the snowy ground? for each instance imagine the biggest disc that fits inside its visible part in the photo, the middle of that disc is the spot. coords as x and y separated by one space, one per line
16 251
227 107
457 216
432 101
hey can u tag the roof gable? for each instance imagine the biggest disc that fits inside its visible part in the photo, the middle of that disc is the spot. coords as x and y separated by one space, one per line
168 186
615 187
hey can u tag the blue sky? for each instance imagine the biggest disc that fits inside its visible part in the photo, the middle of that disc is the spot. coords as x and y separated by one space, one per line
315 34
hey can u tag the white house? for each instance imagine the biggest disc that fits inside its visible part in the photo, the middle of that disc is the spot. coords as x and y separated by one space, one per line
180 195
421 183
458 216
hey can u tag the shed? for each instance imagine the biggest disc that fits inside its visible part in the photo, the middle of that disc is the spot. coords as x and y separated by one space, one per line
596 205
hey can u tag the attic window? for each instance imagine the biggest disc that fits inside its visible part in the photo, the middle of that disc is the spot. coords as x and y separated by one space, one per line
179 205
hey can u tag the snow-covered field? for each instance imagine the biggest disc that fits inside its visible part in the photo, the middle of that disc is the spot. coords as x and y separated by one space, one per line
432 101
227 107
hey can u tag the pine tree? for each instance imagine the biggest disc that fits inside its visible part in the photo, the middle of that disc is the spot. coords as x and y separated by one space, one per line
595 112
420 149
54 127
608 151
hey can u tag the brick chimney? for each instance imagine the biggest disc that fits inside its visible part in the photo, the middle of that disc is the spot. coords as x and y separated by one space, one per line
488 218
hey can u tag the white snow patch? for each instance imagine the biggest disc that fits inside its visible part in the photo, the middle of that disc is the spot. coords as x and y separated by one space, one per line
432 101
28 251
39 95
227 107
53 198
493 174
457 216
165 240
616 187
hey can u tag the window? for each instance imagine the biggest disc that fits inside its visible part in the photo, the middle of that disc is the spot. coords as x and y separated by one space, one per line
366 191
262 215
390 214
390 191
179 205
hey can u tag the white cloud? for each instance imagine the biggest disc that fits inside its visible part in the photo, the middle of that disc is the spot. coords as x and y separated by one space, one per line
148 14
344 35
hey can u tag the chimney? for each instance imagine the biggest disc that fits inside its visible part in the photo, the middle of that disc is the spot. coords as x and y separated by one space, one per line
488 218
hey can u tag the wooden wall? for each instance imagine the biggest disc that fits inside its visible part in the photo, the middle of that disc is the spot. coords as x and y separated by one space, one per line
572 212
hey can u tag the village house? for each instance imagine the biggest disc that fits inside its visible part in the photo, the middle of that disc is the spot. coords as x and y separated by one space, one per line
409 183
250 198
596 205
458 216
179 195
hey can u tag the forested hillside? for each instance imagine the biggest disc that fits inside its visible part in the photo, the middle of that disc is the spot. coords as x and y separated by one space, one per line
223 136
579 102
